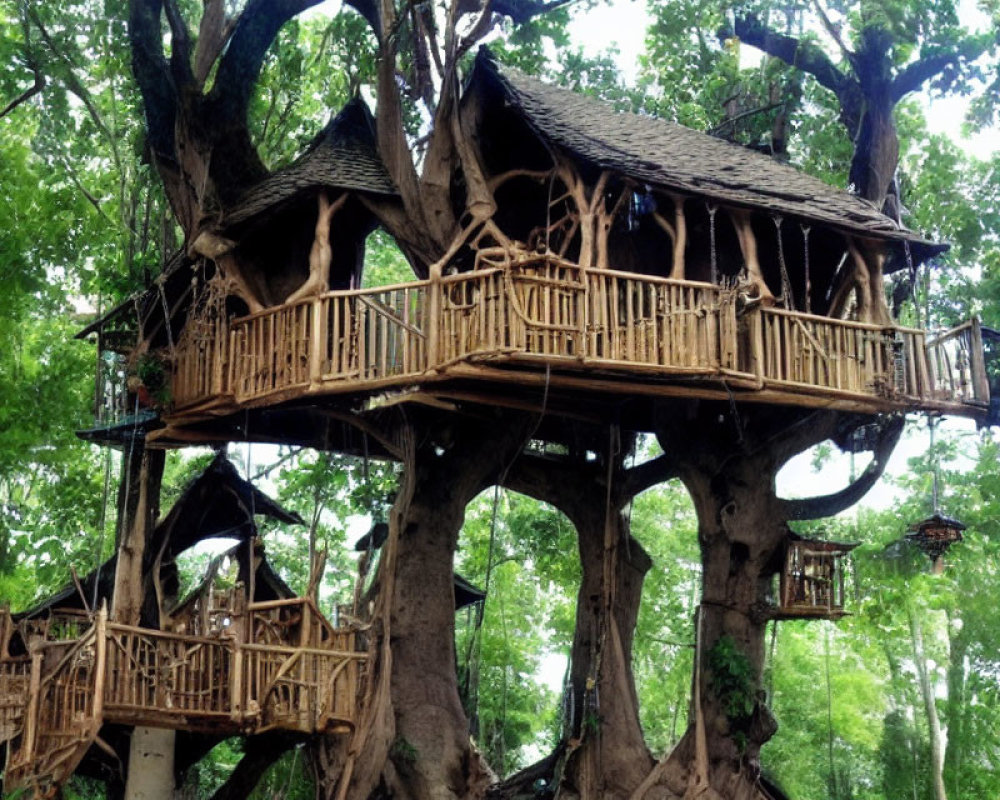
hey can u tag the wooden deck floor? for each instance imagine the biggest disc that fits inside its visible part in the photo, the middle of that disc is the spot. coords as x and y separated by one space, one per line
631 333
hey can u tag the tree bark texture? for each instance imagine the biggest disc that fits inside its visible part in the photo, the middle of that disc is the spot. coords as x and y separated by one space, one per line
138 509
728 459
608 755
413 741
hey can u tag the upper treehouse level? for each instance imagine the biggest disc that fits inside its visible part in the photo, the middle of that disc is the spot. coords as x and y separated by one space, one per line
619 256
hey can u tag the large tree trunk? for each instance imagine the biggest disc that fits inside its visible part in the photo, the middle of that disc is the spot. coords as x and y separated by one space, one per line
728 459
413 741
741 532
603 752
876 148
608 754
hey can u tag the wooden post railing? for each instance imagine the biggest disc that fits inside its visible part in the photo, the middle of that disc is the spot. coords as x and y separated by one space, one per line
543 309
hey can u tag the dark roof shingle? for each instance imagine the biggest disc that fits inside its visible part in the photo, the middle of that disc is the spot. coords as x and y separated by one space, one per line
670 156
343 156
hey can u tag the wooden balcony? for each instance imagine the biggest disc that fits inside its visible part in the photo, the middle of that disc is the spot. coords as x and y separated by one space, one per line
243 676
586 328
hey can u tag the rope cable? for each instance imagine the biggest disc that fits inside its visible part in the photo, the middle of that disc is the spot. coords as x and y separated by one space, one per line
787 297
712 209
805 261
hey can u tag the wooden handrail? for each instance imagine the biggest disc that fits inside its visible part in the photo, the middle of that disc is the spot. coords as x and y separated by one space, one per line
547 308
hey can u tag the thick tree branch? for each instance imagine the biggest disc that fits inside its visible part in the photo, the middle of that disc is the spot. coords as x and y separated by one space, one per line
521 11
255 30
547 480
180 44
149 65
830 504
27 94
919 72
646 475
801 55
261 752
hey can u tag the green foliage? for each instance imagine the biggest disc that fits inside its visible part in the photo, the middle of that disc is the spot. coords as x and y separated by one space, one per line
732 679
402 752
530 571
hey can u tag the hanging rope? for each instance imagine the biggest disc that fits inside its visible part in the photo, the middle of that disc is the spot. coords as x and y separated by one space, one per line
166 317
102 522
712 208
935 477
912 270
787 298
805 262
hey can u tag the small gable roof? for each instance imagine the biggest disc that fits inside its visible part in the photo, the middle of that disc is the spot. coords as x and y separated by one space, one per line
669 156
342 156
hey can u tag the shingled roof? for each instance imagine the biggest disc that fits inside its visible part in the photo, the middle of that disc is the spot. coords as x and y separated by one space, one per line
670 156
342 156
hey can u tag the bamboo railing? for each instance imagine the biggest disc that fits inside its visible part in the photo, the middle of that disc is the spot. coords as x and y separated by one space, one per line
957 366
63 707
544 310
809 352
278 664
642 320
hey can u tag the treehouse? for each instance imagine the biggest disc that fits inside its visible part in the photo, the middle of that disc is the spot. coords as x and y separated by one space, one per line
811 583
620 258
240 655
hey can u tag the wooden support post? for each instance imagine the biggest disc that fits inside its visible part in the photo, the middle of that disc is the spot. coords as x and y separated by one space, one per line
100 665
748 246
678 268
435 300
138 504
977 363
34 696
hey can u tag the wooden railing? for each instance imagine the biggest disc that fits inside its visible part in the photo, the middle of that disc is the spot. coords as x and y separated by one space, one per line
153 676
14 677
549 311
53 702
957 365
63 707
809 353
640 320
344 336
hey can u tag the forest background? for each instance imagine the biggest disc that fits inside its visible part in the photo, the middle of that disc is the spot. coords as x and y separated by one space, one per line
83 224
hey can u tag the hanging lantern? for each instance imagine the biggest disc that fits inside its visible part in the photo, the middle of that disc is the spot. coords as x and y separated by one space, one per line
935 535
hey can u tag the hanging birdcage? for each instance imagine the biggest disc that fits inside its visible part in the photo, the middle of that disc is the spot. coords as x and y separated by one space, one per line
936 534
812 580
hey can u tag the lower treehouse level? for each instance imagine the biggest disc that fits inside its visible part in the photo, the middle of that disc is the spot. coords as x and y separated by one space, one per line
544 323
239 672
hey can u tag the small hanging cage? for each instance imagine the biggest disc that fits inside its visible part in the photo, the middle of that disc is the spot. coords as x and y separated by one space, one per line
812 580
935 535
